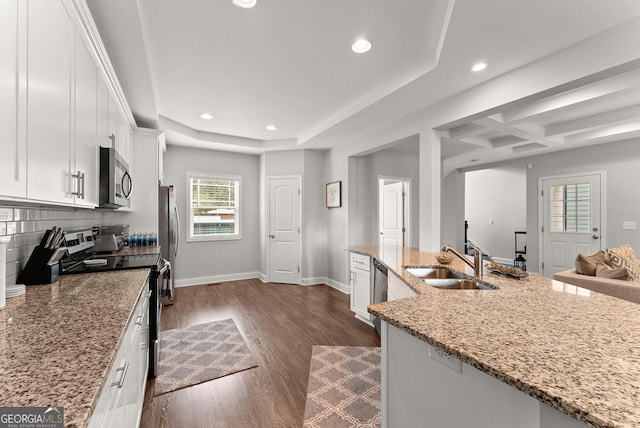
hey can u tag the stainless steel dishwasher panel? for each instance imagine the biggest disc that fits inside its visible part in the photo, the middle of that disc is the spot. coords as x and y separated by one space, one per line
380 284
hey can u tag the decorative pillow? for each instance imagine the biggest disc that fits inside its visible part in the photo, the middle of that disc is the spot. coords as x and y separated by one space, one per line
633 269
603 270
586 265
615 257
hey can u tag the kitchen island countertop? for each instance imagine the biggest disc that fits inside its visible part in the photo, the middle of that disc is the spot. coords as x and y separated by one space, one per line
58 341
573 349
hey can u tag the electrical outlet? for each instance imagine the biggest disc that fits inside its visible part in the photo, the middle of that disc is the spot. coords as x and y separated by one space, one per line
445 358
628 225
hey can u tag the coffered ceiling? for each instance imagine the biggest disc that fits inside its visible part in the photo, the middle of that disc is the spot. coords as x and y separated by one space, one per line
604 111
289 63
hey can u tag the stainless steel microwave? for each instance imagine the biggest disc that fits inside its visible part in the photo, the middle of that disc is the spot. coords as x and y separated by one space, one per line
115 180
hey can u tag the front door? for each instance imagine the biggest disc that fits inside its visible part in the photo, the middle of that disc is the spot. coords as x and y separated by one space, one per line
571 223
284 230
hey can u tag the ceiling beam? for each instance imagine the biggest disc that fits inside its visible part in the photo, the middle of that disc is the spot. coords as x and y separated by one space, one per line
612 117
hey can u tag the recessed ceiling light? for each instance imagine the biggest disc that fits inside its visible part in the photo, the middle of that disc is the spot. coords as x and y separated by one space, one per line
479 66
244 3
361 46
206 116
270 127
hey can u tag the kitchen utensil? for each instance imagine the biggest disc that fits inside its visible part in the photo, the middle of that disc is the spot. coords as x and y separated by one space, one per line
57 255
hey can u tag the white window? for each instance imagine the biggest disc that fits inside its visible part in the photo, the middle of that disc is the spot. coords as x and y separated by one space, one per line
570 208
214 207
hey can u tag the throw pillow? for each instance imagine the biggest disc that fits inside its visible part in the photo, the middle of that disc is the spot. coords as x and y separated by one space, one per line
615 257
633 268
605 271
586 265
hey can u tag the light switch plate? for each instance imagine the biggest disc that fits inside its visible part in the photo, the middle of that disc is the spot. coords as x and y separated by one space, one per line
628 225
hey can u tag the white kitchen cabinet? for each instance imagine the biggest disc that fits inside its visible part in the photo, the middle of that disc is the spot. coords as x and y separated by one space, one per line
85 156
361 286
397 289
120 402
49 97
13 162
422 385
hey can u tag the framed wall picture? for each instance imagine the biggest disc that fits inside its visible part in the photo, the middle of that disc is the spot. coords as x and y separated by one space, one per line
334 194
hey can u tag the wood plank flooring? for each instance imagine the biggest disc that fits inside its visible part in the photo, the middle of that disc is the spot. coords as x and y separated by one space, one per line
280 323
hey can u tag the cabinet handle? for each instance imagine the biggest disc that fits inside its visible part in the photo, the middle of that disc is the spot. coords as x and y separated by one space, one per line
138 320
83 184
79 184
123 370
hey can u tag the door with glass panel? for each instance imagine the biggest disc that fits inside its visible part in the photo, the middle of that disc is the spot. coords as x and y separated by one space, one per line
571 224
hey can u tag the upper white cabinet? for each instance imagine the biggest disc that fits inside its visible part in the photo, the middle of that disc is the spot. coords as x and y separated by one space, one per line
85 183
13 162
49 82
59 102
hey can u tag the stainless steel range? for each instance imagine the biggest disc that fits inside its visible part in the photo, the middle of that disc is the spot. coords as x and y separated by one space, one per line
80 260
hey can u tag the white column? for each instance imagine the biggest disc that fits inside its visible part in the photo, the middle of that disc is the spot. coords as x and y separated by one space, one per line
430 190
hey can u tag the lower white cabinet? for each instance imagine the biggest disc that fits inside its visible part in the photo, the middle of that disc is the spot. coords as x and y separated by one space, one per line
423 386
121 399
361 285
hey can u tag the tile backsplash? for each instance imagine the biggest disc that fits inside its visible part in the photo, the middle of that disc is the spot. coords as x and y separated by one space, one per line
27 225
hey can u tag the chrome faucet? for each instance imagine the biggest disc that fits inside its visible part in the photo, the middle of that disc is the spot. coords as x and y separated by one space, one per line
477 259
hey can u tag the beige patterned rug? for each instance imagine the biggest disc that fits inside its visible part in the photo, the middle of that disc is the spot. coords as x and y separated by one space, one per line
344 387
200 353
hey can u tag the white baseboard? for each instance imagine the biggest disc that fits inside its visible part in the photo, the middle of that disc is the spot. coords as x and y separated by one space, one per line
187 282
324 280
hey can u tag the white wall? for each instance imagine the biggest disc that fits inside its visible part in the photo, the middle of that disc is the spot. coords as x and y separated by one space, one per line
391 163
209 261
495 207
621 161
314 248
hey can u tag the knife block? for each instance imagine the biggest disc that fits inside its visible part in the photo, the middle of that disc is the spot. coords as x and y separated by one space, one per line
37 269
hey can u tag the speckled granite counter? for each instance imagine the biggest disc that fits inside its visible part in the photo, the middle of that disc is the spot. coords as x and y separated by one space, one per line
58 341
573 349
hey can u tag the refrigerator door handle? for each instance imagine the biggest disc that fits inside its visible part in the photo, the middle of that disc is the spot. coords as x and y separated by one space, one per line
177 235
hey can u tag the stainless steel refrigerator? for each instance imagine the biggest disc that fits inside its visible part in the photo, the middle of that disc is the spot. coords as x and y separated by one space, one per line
168 237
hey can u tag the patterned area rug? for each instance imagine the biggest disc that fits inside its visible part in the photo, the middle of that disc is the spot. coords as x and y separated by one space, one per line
200 353
344 387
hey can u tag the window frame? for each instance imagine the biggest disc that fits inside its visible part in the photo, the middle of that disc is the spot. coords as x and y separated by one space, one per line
238 209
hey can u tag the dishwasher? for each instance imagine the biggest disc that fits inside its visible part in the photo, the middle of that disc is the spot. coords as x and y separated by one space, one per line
380 282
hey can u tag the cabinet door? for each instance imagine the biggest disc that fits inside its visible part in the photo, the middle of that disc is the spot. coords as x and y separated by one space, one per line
103 115
49 77
112 123
122 135
86 117
13 164
360 292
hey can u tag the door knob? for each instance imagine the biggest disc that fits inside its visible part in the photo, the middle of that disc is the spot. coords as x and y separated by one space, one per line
595 229
272 236
595 237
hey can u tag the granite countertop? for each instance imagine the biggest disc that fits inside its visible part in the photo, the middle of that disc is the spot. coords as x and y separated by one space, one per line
571 348
58 341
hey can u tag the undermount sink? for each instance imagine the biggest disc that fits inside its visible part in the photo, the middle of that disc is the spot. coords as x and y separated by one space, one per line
446 279
458 284
439 273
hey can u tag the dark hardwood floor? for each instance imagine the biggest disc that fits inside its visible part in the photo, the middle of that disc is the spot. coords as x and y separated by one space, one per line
280 323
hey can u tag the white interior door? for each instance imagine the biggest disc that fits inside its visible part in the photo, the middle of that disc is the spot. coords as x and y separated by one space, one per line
391 216
571 220
284 230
